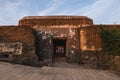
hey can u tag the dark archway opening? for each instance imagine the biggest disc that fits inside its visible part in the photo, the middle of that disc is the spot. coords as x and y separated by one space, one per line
59 46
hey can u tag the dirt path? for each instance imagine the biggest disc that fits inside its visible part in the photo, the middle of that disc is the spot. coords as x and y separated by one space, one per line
61 71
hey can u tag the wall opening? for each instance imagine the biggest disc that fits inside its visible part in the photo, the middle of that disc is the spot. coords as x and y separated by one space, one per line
4 57
59 49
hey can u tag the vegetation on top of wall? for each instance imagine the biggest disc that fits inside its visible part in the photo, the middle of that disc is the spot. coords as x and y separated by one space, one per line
111 40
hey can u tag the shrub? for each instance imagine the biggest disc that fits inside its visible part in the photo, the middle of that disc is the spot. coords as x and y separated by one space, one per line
111 40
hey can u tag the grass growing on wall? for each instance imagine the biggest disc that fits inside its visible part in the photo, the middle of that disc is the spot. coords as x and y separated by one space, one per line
111 40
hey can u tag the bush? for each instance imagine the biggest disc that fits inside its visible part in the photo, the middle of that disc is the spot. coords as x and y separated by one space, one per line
111 40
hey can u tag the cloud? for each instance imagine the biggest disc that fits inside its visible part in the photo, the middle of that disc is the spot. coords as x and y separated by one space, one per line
11 12
98 10
102 11
52 6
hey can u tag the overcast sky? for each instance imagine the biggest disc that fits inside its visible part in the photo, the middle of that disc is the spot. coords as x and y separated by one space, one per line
101 11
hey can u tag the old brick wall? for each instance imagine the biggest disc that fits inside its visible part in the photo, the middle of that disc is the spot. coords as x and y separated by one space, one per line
43 46
61 27
116 61
89 38
24 35
82 36
55 20
91 48
71 34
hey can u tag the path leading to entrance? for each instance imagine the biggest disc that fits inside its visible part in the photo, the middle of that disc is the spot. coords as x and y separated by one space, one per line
61 71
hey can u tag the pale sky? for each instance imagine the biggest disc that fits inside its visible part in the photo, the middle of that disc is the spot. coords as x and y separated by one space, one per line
101 11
